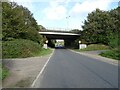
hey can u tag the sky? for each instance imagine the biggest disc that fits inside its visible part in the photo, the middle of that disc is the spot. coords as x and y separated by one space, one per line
64 14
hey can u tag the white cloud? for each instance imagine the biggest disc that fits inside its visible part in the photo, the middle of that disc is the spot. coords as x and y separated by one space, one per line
59 9
80 10
55 11
90 5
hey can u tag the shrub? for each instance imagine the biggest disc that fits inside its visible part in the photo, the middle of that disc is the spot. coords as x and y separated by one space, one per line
19 48
113 40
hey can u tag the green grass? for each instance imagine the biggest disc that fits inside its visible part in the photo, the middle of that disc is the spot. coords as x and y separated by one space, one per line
43 52
4 72
95 47
114 54
21 48
0 49
0 71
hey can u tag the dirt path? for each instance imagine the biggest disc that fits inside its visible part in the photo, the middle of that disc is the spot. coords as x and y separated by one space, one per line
23 71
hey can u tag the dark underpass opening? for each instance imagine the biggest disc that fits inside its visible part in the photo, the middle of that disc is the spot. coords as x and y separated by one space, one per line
61 40
62 43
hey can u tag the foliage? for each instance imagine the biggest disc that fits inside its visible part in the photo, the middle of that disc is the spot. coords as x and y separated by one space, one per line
18 22
113 40
102 27
77 31
111 54
41 28
43 52
19 48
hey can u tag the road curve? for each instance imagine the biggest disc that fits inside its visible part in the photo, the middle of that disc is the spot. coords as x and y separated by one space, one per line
67 69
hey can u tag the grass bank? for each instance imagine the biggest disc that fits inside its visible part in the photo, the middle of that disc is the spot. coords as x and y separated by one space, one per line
4 72
43 52
110 53
92 47
114 54
21 48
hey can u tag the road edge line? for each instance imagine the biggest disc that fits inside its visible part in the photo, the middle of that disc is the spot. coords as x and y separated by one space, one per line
42 69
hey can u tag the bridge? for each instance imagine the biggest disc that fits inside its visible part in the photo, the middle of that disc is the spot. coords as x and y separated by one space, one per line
68 36
59 35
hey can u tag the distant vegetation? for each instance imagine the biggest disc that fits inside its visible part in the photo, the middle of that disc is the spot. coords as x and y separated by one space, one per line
20 37
102 27
95 47
20 48
41 28
18 23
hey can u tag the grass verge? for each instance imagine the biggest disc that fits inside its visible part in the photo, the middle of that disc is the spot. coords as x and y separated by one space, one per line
4 72
20 48
95 47
114 54
0 71
43 52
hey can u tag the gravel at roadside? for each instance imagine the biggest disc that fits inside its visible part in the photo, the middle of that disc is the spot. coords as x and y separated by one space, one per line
23 71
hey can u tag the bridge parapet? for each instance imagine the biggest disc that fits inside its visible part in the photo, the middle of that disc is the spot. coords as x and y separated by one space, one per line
58 29
59 33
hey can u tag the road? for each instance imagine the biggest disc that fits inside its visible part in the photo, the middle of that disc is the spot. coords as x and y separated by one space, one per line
67 69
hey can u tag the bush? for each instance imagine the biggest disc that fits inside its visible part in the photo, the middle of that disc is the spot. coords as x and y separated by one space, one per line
19 48
113 40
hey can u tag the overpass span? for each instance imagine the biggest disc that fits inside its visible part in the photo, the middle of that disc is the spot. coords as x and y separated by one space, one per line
68 37
59 35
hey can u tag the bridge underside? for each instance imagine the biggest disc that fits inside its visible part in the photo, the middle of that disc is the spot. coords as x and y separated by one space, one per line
64 37
68 39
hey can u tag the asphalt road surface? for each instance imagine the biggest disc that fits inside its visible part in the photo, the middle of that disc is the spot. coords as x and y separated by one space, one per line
67 69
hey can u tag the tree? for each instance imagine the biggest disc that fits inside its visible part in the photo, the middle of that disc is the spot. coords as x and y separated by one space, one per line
100 26
113 36
41 28
18 22
94 27
76 31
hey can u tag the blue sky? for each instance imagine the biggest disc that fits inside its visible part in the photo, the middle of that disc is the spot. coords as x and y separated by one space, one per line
64 13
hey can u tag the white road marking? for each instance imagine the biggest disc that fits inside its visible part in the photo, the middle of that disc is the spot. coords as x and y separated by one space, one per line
42 70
